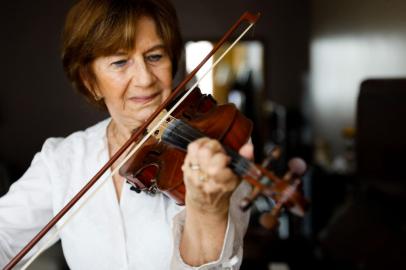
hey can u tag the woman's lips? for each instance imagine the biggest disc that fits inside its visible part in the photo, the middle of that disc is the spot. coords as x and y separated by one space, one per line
144 99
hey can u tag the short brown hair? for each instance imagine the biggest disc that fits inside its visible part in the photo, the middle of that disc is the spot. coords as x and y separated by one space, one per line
96 28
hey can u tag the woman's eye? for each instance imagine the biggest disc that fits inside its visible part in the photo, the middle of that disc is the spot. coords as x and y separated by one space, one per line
119 63
154 57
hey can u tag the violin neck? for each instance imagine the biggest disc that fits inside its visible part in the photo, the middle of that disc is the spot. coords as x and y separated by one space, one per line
179 134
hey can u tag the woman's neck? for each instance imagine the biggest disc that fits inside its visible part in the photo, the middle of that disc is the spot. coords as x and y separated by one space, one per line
116 137
117 134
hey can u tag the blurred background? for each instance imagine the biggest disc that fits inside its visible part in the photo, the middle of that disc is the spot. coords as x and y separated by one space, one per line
324 80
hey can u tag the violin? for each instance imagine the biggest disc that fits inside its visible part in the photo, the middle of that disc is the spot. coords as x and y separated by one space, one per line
154 162
156 166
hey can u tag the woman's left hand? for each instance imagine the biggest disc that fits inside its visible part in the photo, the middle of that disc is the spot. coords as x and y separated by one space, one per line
209 184
208 179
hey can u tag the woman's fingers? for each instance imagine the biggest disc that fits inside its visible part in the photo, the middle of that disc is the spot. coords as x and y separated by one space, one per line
206 160
247 151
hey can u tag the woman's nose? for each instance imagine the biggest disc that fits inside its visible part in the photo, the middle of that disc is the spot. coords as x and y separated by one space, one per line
142 76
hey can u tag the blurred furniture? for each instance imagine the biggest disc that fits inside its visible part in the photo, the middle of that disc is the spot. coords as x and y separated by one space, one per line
381 136
369 230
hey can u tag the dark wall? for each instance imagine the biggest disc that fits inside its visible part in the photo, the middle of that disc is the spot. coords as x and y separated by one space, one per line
37 101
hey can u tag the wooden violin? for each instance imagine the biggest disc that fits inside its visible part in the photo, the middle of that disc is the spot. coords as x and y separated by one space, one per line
156 166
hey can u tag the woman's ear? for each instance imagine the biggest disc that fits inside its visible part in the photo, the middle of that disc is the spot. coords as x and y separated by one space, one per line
91 85
95 91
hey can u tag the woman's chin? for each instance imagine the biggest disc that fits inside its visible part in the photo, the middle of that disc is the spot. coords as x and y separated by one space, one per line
138 118
134 117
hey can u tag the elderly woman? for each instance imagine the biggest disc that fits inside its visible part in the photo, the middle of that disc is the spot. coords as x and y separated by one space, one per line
122 55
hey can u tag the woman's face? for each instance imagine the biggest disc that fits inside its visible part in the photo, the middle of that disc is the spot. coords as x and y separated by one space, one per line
133 84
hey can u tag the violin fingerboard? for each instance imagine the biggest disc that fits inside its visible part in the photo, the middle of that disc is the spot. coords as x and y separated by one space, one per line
179 134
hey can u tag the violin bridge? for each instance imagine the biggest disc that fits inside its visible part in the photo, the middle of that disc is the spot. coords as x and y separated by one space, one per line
157 133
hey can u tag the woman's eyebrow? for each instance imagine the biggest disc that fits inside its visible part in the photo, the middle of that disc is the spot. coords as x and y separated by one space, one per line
119 53
155 47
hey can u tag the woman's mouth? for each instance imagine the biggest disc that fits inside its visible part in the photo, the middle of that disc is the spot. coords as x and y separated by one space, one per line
144 99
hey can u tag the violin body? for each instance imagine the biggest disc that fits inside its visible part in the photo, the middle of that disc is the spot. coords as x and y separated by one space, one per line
157 165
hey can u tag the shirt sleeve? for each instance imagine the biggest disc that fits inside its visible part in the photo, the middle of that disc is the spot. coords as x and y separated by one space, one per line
232 250
25 210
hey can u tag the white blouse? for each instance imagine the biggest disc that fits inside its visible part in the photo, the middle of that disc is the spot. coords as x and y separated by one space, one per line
138 232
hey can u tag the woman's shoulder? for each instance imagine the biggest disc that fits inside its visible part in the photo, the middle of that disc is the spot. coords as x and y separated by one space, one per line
79 141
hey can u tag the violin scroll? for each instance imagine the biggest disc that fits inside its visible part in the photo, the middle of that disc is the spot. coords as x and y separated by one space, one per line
281 192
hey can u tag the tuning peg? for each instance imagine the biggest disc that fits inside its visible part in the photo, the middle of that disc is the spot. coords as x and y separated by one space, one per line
273 153
269 221
297 168
246 203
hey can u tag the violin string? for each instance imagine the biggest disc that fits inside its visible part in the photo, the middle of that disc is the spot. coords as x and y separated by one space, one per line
242 163
146 137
